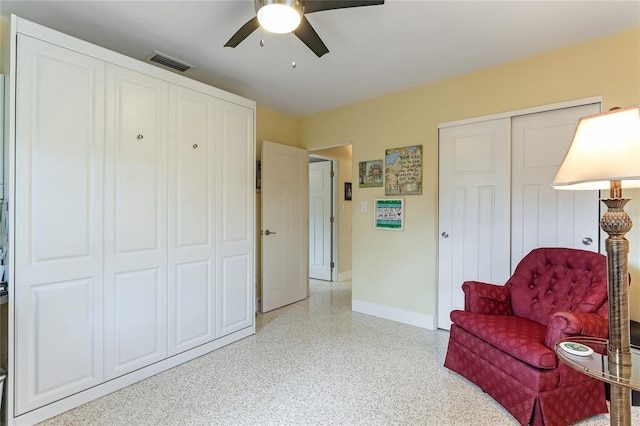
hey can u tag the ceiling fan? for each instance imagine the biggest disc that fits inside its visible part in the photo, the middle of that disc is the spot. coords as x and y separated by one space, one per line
300 26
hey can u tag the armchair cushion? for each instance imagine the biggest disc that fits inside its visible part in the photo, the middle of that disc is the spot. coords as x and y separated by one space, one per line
519 337
552 280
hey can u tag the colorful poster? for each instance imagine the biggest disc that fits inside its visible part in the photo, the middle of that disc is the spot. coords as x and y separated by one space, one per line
403 171
389 214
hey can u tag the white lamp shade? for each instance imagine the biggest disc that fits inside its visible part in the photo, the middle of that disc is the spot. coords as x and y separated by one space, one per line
279 16
605 147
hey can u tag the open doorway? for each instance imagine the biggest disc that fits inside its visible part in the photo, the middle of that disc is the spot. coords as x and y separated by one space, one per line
338 220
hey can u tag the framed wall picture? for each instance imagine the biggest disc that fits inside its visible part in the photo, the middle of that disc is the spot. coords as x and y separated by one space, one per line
388 213
403 171
370 173
258 175
347 191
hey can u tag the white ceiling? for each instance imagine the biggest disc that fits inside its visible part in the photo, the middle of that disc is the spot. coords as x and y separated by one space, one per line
373 50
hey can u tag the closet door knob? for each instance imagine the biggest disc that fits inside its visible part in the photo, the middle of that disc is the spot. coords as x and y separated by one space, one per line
445 235
587 241
139 137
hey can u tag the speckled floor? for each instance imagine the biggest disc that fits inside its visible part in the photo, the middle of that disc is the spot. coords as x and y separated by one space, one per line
311 363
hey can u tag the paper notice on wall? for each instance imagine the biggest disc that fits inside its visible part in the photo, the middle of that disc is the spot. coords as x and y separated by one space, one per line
389 214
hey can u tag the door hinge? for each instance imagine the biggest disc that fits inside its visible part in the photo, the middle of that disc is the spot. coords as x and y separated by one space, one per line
333 219
333 265
333 174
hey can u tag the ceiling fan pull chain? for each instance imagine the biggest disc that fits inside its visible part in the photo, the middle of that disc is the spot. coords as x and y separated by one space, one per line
261 38
293 44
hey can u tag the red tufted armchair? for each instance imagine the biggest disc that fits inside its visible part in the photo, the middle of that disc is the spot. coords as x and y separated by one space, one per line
504 339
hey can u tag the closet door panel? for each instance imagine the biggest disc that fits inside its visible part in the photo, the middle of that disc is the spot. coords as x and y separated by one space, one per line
234 297
235 174
193 168
135 221
191 219
138 166
473 209
542 216
58 205
235 221
192 305
138 319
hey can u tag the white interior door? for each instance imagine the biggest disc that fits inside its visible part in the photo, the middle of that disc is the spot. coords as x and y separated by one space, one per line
285 225
541 216
474 209
320 184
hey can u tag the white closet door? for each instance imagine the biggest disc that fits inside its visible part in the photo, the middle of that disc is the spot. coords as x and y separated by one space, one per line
320 209
192 214
474 209
235 220
135 221
541 216
58 206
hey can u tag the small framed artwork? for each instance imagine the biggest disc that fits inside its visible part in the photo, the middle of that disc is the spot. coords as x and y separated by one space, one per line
388 213
370 173
258 175
347 191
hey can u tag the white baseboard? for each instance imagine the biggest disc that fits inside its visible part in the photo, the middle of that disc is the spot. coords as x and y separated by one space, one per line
394 314
344 276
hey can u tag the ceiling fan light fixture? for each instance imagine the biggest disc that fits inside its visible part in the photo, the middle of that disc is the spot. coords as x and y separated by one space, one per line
279 16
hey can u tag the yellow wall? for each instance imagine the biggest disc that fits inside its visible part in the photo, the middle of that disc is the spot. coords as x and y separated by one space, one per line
4 25
398 269
344 208
274 126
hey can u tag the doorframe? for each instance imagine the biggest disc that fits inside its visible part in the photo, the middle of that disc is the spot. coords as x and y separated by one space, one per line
334 211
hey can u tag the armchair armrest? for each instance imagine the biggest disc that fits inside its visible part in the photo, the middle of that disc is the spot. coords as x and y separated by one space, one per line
484 298
567 324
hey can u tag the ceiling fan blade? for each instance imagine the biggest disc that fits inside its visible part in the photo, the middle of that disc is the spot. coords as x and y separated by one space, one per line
310 37
311 6
243 32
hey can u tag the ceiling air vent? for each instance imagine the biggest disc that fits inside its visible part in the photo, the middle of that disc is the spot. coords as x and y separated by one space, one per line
168 61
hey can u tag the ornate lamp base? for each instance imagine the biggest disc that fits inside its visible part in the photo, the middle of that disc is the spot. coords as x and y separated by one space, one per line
616 222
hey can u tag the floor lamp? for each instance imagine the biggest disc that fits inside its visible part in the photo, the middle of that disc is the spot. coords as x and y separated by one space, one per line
605 153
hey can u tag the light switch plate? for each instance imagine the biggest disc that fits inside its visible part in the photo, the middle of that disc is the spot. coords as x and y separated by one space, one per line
364 206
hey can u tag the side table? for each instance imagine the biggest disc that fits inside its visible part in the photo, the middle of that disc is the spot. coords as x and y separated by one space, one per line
597 366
